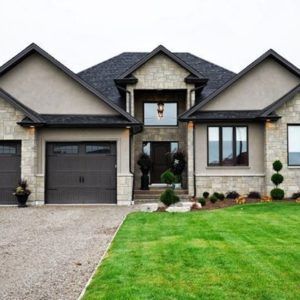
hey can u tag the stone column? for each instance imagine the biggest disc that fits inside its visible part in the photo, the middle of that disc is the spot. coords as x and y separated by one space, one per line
190 158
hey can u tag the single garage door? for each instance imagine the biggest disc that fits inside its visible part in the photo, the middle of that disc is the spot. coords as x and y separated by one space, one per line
10 170
81 172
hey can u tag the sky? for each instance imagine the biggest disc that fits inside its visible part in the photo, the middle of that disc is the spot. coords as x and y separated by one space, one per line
82 33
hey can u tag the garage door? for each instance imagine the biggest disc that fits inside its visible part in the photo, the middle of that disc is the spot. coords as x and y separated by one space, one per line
10 170
81 173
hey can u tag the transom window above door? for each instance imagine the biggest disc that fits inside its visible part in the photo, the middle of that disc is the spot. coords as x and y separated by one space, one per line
228 146
160 113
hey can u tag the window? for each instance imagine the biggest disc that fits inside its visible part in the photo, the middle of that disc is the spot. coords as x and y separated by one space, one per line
7 148
294 145
97 148
169 117
147 147
65 149
227 146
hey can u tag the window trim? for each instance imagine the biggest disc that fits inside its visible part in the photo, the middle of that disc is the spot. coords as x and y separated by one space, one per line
288 142
165 102
220 164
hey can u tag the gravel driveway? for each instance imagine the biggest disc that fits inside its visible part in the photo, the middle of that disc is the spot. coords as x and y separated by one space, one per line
50 252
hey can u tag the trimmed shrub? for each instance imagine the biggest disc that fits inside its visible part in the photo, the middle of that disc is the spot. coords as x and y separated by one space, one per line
167 177
296 196
221 197
205 195
277 194
216 194
202 201
232 195
277 178
213 199
277 165
169 197
254 195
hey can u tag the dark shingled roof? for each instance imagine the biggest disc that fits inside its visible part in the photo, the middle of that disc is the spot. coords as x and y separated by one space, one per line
102 76
79 120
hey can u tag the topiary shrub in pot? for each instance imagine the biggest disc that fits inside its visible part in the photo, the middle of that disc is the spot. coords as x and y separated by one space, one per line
277 193
167 177
22 193
177 166
145 164
169 197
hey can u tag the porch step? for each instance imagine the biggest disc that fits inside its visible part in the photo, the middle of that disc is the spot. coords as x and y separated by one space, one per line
142 196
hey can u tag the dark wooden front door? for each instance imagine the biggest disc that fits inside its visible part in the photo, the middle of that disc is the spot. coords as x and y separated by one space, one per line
159 151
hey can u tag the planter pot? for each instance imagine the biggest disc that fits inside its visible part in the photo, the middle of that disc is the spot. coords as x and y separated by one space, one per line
22 199
145 182
177 186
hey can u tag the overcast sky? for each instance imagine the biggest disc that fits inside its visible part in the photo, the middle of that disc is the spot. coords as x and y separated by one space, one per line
81 33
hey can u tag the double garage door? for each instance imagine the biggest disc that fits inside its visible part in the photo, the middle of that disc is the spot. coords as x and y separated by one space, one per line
82 172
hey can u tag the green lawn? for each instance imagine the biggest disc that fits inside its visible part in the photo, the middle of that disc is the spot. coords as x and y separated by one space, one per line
242 252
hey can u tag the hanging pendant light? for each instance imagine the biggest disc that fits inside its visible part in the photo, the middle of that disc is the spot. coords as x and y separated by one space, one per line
160 110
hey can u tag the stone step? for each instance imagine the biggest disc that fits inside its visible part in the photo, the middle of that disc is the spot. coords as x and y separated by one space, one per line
158 191
155 199
143 196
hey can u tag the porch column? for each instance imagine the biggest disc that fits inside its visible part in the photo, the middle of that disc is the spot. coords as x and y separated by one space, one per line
190 158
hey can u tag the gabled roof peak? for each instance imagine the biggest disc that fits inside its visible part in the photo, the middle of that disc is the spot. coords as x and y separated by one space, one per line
34 47
168 53
270 53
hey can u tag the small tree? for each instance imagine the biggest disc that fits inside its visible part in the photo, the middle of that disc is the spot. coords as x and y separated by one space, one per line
277 193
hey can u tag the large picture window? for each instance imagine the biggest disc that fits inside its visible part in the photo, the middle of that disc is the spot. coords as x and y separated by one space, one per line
228 146
294 145
168 118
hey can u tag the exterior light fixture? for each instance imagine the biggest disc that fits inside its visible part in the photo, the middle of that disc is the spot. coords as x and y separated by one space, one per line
160 110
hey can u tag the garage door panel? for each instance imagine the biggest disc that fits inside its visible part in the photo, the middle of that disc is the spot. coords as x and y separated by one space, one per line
87 176
10 170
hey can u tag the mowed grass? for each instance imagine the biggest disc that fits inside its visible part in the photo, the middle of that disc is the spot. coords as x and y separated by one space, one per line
242 252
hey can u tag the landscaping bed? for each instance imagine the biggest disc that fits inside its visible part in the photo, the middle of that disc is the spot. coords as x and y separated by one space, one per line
247 251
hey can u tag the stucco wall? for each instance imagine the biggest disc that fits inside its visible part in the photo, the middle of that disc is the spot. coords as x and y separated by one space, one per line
277 146
46 89
223 179
120 136
9 130
260 87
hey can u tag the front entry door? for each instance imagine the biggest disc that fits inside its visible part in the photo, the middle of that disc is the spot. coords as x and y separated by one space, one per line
159 151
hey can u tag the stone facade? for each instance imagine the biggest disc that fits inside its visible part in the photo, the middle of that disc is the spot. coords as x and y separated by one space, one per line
124 189
160 79
9 130
158 134
276 145
241 184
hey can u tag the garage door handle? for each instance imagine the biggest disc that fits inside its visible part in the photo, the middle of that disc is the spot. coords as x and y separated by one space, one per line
82 179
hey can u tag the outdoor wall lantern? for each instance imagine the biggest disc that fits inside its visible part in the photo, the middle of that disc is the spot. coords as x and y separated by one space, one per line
160 110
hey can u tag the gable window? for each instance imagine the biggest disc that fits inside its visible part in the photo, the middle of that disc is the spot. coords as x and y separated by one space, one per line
294 145
168 118
228 146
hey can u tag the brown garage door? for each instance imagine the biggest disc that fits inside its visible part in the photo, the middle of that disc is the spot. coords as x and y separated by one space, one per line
10 170
81 173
